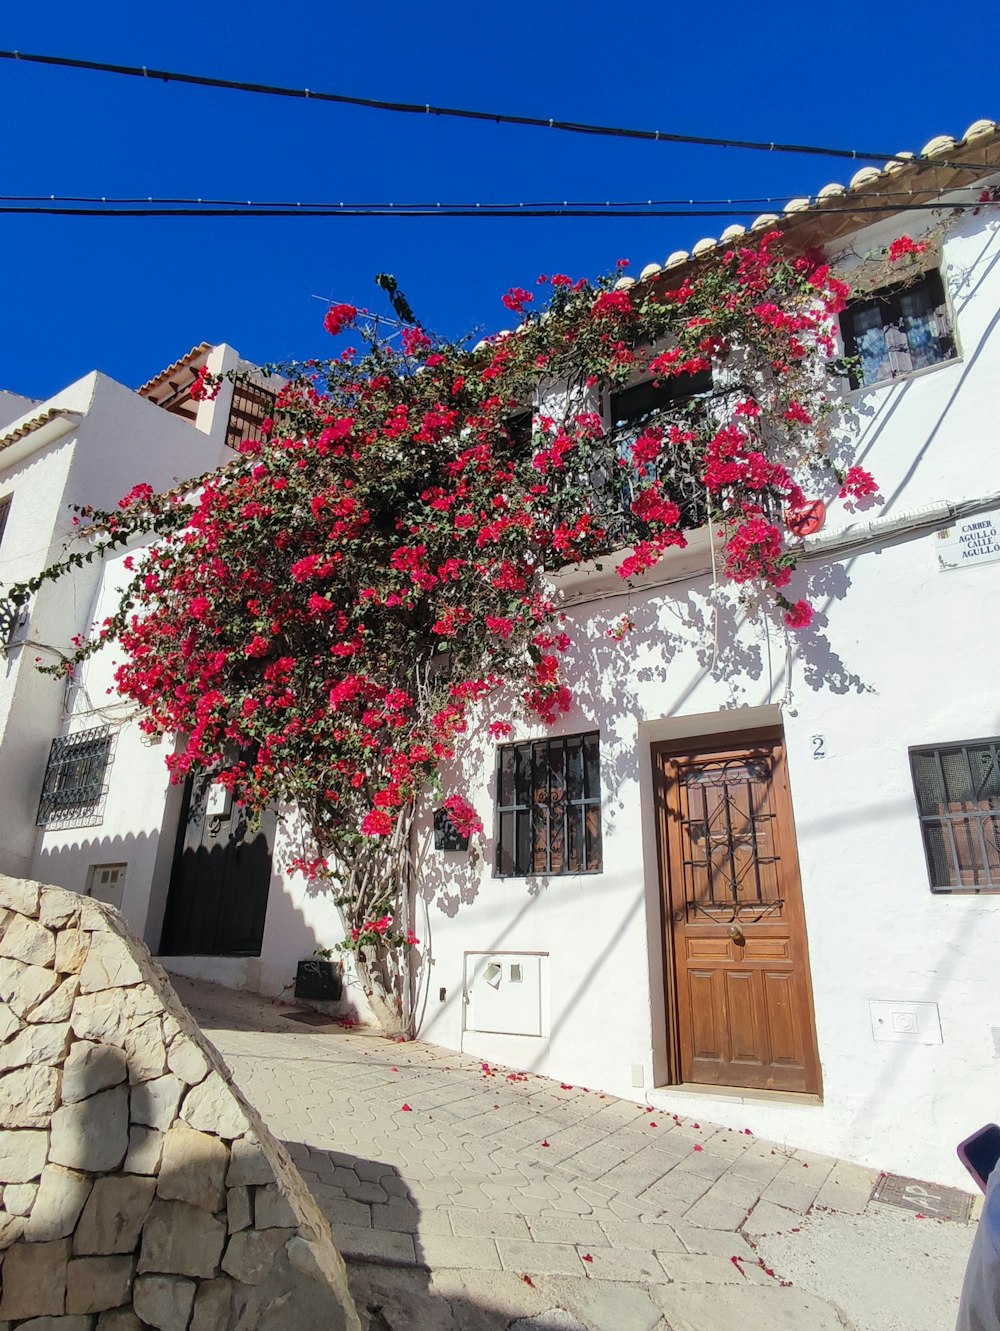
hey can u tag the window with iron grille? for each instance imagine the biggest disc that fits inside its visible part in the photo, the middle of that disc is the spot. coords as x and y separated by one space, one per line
251 406
958 796
4 514
549 807
76 779
898 330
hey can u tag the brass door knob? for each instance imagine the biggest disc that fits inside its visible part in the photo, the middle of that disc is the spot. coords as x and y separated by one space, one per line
736 934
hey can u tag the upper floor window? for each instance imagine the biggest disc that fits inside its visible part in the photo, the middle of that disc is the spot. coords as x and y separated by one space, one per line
75 779
251 406
4 514
958 796
549 807
897 330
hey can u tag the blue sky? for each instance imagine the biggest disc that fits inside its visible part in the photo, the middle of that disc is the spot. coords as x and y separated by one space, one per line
129 296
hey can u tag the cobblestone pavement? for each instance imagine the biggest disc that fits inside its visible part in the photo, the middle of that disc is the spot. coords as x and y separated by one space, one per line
468 1198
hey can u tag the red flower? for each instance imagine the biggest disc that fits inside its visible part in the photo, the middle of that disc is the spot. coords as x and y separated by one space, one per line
902 246
338 317
799 616
858 483
376 823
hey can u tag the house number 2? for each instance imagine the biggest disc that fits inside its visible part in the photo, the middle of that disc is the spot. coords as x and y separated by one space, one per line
818 746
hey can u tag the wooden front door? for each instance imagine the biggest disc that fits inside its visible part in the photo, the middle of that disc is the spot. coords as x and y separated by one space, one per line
217 903
738 971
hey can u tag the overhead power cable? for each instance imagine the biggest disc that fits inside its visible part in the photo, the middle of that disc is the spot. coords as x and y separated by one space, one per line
441 210
686 204
499 118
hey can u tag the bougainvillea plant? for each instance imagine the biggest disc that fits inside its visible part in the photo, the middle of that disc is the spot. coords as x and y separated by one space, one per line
321 619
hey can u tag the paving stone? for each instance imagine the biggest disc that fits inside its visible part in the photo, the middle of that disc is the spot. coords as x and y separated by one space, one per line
114 1215
92 1067
34 1280
94 1284
697 1306
847 1188
767 1218
540 1258
60 1199
636 1234
631 1265
440 1250
193 1168
23 1153
92 1134
488 1225
164 1302
183 1240
360 1244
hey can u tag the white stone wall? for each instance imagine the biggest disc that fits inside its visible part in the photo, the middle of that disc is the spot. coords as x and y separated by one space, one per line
138 1187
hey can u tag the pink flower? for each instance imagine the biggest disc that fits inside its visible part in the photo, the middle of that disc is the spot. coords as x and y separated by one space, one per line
903 245
858 483
799 616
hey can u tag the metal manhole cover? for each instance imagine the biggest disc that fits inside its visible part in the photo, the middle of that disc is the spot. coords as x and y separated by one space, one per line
929 1199
310 1018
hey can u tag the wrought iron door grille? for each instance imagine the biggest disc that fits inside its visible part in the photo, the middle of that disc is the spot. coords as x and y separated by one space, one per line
251 406
730 861
76 779
958 795
549 807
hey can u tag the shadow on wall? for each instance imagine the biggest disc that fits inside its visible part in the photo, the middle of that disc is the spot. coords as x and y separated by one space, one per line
72 865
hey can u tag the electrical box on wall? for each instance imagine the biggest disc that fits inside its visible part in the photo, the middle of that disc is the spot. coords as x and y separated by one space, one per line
504 992
106 882
901 1021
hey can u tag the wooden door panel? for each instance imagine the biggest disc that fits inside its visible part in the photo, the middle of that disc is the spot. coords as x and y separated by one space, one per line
739 993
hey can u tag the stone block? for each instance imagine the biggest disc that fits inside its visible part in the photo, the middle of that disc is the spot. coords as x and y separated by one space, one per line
9 1023
164 1302
250 1164
211 1305
23 1153
185 1060
19 895
147 1054
60 1199
30 942
114 1214
178 1239
19 1198
109 965
94 1284
59 1004
109 1014
28 1097
193 1168
213 1107
250 1254
23 987
71 950
34 1280
90 1068
145 1149
11 1229
81 1322
119 1319
34 1045
58 907
154 1103
92 1134
239 1209
272 1209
